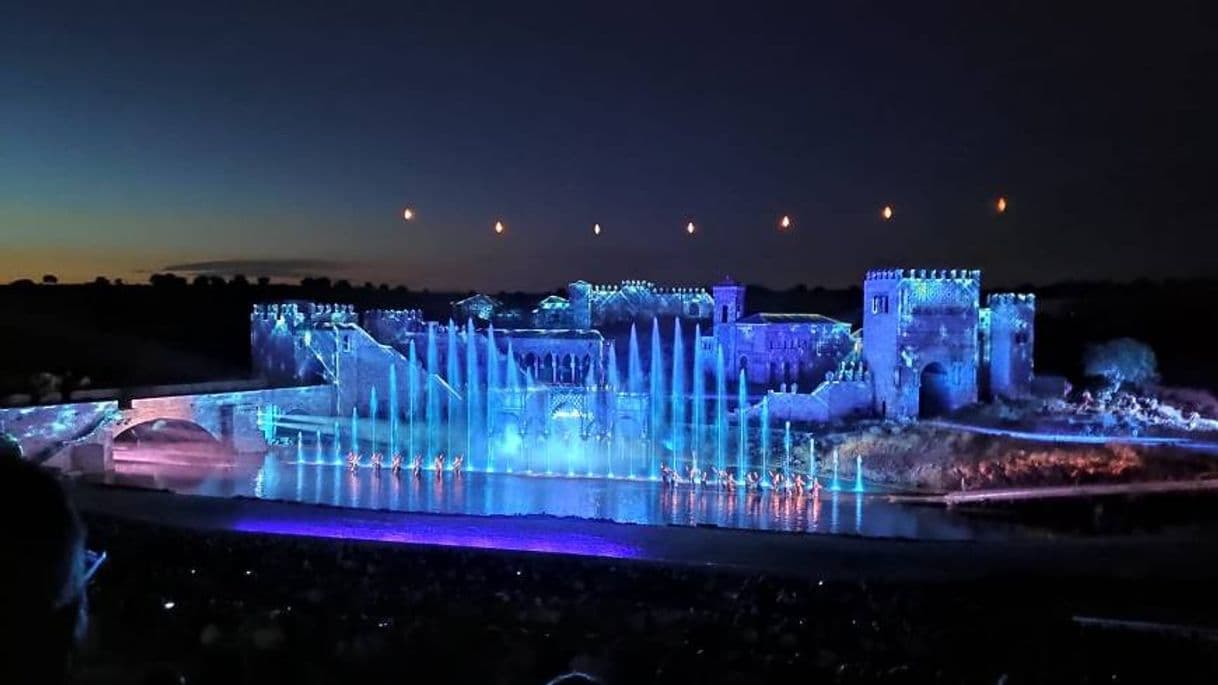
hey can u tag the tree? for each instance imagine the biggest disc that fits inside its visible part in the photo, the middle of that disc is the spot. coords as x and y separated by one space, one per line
50 279
264 281
1121 361
101 281
239 281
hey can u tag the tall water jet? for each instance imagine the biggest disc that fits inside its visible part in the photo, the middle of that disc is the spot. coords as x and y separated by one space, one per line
317 447
431 392
811 460
699 394
412 389
299 447
372 418
834 485
354 431
634 369
512 381
473 407
742 441
858 473
720 410
786 450
393 409
337 443
657 399
765 436
492 388
613 377
678 394
454 380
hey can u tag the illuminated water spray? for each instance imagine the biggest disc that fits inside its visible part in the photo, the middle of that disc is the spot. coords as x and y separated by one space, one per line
678 393
811 460
492 390
858 473
372 418
765 437
299 447
354 431
657 399
429 389
634 369
412 389
473 407
317 447
834 485
742 441
454 380
393 409
786 449
720 410
698 382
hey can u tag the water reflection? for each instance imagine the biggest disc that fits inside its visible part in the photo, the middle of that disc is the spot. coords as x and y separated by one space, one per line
622 500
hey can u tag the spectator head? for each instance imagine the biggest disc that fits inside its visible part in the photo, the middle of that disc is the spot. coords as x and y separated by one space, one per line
42 577
9 447
574 678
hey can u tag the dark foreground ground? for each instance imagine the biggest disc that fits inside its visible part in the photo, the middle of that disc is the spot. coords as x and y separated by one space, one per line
217 606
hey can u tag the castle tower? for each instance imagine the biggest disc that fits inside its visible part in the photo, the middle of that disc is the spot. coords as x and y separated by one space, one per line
579 294
920 339
729 303
1012 317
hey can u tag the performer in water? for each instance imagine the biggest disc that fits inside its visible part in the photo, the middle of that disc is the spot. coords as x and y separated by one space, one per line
752 481
776 480
458 462
416 466
352 461
396 466
439 464
800 483
377 460
729 480
667 475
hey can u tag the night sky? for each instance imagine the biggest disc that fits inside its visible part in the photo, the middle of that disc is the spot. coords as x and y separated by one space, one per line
135 137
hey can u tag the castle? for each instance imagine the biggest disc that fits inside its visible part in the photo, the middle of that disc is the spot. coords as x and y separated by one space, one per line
927 346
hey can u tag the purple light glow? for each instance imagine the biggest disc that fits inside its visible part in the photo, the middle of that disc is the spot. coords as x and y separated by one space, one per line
446 534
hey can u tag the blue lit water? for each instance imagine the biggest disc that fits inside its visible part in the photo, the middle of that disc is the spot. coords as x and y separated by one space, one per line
282 477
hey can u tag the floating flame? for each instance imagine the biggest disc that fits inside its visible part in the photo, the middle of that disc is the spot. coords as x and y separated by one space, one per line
407 214
1001 205
499 227
785 223
887 213
596 228
689 228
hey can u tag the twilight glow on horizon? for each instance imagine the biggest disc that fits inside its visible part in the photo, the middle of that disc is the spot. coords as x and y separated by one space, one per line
198 139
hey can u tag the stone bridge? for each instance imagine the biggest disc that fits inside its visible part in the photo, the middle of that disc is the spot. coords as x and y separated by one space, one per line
79 435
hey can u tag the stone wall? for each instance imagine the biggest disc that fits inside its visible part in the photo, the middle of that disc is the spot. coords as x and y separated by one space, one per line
920 339
1011 337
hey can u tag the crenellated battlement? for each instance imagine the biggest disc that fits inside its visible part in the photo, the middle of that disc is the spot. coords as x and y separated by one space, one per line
1009 299
648 286
394 315
924 274
300 312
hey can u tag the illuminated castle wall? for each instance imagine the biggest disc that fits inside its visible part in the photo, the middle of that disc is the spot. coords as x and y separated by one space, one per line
1010 319
920 339
590 306
776 349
